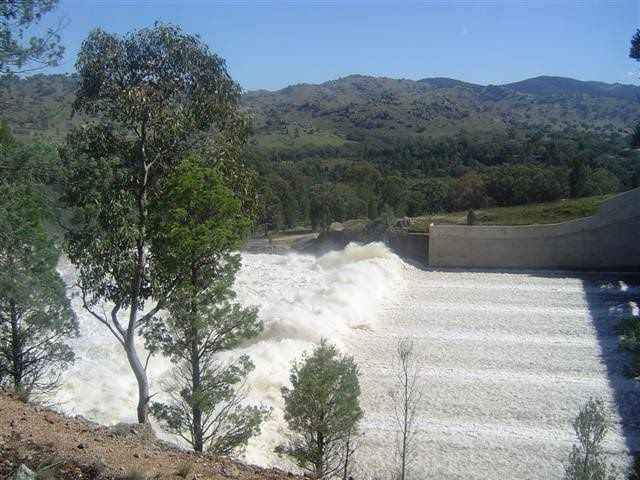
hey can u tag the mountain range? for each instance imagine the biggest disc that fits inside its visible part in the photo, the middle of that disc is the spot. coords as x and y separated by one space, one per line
359 108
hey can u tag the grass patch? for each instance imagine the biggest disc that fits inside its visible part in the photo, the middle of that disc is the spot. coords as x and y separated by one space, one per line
532 214
135 474
184 469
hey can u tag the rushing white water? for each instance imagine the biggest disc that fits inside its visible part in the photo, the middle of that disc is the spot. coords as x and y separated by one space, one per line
301 299
508 358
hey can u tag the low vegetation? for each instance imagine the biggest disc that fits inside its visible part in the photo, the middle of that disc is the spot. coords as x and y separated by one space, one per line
587 460
532 214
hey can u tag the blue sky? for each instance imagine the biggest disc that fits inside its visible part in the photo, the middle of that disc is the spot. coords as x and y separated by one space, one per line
274 44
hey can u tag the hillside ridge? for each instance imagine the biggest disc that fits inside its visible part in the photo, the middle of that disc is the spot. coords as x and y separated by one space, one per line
360 108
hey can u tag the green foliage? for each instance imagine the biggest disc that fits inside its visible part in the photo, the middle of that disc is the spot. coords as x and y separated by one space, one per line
120 430
519 184
586 461
16 17
322 410
194 220
634 51
387 216
184 469
635 136
471 217
195 224
470 191
155 95
392 190
534 214
572 133
134 474
629 330
211 415
35 314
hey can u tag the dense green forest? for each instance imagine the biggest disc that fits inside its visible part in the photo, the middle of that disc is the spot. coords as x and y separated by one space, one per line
346 148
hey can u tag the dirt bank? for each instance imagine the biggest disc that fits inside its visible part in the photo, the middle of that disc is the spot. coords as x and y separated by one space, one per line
74 448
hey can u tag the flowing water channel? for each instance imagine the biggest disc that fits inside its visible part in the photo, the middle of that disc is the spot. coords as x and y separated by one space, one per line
507 358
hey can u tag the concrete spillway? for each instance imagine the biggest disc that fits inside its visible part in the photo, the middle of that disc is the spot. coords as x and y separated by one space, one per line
608 240
508 359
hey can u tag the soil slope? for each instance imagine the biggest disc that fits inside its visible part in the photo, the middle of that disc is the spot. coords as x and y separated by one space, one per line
59 447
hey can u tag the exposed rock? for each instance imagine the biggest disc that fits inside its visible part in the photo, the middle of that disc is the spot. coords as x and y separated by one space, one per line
23 473
230 471
403 223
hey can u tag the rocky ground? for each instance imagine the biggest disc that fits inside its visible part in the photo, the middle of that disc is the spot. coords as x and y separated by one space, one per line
58 447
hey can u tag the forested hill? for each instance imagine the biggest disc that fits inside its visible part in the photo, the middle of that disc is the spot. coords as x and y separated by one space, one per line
359 108
359 146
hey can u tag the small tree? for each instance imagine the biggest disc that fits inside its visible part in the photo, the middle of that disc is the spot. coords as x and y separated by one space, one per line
586 461
35 314
322 410
471 217
629 330
200 225
406 399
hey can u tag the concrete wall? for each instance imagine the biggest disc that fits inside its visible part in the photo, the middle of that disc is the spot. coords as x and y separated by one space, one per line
412 245
610 239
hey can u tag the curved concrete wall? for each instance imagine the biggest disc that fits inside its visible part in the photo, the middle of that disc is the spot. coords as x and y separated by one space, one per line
610 239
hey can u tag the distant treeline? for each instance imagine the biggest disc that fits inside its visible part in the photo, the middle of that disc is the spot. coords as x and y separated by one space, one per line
319 185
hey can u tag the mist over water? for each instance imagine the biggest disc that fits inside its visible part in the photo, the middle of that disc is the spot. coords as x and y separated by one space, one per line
301 299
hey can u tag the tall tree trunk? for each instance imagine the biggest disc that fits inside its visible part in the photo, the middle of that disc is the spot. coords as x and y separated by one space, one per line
319 461
345 470
195 386
136 289
141 377
16 348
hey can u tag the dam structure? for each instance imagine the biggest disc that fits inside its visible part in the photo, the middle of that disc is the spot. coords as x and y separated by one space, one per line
607 240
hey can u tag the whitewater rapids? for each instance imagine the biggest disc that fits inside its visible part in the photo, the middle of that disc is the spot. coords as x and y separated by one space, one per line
508 358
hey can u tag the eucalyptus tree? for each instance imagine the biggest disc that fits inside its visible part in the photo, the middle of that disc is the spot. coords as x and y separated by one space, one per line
152 95
196 225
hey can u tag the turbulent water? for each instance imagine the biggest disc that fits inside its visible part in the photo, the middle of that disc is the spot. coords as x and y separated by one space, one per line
507 358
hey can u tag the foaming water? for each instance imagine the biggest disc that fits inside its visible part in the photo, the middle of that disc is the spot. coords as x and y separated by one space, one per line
301 299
